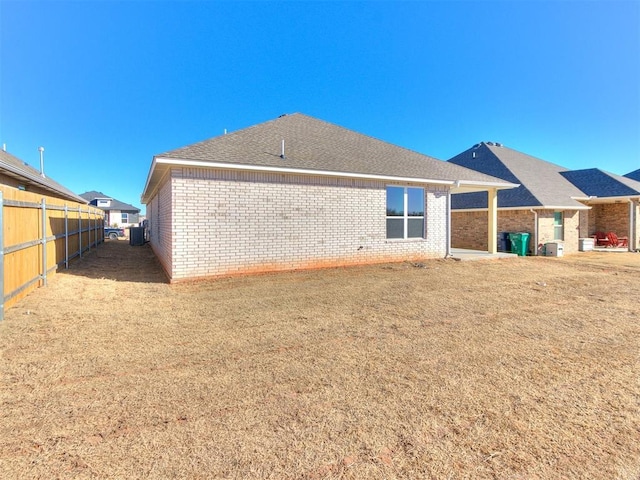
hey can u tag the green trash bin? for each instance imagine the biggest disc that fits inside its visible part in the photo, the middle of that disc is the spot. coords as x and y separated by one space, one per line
519 243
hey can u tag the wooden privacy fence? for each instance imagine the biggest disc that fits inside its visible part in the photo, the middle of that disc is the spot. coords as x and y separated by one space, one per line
38 235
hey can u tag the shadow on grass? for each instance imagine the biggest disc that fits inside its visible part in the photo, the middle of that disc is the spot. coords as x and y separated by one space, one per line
117 260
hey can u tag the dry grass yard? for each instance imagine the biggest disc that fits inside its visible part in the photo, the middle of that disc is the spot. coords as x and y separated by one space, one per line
525 368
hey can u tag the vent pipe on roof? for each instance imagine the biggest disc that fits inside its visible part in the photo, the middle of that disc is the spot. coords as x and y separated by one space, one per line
4 147
41 150
282 150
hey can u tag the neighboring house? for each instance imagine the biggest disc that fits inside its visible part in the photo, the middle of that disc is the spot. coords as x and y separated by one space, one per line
297 192
17 174
43 227
546 204
614 202
117 213
635 175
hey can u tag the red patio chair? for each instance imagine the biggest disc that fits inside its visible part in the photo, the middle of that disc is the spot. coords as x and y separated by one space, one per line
615 241
601 239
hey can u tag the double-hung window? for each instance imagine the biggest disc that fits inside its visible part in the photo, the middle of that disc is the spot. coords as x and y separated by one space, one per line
558 226
405 212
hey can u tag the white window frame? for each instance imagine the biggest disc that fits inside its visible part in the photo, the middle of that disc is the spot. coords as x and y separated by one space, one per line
559 226
124 215
406 217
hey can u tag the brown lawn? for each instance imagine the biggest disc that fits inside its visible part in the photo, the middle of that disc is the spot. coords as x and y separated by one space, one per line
511 369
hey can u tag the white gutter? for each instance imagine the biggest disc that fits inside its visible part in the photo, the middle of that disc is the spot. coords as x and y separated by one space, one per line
149 175
329 173
448 226
325 173
632 225
535 230
510 209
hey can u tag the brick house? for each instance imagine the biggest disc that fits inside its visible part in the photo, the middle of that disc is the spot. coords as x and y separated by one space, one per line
117 213
552 203
546 204
614 202
297 192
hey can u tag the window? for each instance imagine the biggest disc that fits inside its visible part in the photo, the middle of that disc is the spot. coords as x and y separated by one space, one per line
405 212
558 226
124 217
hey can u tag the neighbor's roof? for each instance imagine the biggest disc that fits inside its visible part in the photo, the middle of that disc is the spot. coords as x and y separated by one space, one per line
115 204
603 185
635 175
541 184
16 168
312 146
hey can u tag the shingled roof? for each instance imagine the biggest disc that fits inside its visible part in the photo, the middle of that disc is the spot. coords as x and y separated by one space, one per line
93 196
541 182
313 146
16 168
598 183
635 175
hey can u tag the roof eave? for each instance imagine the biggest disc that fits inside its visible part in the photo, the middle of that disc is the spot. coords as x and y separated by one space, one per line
527 208
30 179
455 185
619 199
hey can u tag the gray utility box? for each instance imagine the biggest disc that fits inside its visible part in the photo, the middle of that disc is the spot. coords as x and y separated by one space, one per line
586 244
554 249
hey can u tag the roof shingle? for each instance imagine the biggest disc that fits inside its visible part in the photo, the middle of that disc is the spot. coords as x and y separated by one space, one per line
541 184
16 168
317 146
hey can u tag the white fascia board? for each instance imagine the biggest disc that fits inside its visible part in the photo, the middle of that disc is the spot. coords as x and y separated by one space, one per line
583 199
37 180
626 198
327 173
298 171
500 186
149 175
510 209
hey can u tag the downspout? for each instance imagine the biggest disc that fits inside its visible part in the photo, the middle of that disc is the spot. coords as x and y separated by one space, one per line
632 225
448 226
535 230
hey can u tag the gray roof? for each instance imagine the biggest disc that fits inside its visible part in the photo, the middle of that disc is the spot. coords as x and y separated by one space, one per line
598 183
93 196
635 175
16 168
541 182
314 146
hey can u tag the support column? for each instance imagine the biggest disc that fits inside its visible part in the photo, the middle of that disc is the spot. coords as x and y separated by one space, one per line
1 258
492 213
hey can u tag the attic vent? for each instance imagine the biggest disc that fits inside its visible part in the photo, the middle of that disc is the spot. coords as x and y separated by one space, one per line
498 144
490 143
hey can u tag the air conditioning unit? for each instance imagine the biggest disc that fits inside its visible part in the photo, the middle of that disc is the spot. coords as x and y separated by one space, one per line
554 249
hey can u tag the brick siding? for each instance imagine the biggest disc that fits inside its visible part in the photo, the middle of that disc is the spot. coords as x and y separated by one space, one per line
159 216
226 222
611 217
469 229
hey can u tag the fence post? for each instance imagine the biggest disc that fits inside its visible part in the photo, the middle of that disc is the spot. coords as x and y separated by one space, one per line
1 258
44 242
80 231
66 236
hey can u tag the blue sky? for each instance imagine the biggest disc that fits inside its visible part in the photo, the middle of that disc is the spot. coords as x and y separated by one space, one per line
104 86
